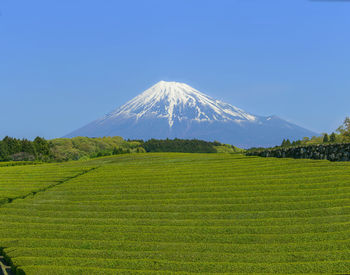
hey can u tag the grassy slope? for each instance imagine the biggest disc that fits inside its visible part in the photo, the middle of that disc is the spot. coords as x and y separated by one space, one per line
185 213
226 148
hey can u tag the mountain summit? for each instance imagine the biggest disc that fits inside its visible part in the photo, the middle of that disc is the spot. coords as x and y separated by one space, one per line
176 101
173 109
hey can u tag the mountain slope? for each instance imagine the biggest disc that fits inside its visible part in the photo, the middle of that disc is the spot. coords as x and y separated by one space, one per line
172 109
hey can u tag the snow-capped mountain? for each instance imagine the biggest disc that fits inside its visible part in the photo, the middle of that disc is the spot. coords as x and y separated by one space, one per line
173 109
177 102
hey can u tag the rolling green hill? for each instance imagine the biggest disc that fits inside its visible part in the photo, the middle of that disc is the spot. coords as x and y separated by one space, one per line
176 213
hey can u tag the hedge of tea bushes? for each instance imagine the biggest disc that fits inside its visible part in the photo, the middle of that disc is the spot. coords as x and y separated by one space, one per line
332 152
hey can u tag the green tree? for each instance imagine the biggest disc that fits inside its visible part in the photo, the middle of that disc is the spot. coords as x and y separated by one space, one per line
28 147
41 146
344 129
283 143
332 137
4 154
12 145
298 142
325 138
117 151
288 143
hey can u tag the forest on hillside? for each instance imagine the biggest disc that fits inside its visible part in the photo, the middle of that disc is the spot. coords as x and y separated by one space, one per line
82 148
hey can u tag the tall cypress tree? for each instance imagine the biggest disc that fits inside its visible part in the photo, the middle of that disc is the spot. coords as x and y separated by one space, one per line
325 138
283 143
332 137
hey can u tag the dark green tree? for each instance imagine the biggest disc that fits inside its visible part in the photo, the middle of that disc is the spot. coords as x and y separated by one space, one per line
117 151
41 147
4 154
12 145
298 142
325 138
28 147
288 143
332 137
283 144
179 145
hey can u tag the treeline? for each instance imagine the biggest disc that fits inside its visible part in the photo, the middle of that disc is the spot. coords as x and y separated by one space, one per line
80 148
324 138
24 149
332 152
63 149
180 145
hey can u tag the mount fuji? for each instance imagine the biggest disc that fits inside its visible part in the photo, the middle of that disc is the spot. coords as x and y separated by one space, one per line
176 110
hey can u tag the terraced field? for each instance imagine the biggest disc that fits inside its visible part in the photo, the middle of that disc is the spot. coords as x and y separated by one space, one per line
180 214
23 180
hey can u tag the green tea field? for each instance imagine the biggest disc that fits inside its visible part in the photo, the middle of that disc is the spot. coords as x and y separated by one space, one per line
175 213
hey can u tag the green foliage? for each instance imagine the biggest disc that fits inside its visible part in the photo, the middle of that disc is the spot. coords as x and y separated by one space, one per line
16 149
28 147
118 151
287 143
344 130
296 143
180 145
331 152
332 138
178 214
64 149
24 150
345 127
227 148
325 138
283 144
140 150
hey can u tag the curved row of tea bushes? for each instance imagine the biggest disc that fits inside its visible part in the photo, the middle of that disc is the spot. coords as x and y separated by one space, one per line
332 152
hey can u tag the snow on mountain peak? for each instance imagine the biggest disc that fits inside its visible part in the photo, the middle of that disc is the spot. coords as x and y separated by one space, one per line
178 101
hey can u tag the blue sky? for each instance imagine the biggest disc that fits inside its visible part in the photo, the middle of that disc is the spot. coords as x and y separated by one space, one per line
64 63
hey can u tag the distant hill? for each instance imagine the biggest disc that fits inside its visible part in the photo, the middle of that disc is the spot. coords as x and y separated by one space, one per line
176 110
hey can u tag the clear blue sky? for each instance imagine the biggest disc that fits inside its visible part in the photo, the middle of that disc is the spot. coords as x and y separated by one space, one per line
64 63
